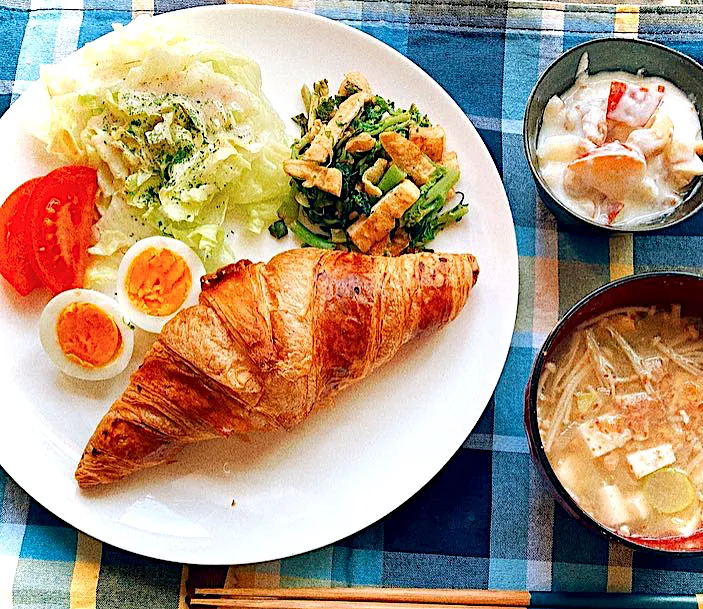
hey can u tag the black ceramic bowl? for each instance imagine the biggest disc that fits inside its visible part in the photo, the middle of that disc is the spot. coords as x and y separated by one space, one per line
661 289
611 54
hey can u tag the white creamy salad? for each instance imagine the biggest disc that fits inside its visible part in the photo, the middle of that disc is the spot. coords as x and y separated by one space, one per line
620 148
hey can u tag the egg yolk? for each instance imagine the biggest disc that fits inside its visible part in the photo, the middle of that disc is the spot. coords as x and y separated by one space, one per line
158 281
87 335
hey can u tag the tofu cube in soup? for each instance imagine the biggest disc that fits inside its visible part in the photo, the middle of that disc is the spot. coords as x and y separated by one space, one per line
644 462
604 434
613 506
569 469
639 507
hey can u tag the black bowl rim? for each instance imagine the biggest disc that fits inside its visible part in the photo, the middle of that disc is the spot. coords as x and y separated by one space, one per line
581 47
534 437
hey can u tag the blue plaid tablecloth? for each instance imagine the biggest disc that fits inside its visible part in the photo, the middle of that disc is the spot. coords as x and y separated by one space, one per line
486 519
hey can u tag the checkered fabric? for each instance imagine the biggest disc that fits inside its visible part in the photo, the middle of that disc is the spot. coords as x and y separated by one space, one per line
486 519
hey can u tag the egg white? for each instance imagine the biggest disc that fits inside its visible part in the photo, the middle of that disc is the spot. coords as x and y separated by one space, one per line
50 342
154 323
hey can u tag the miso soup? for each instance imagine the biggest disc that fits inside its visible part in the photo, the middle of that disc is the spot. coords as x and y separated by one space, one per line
620 411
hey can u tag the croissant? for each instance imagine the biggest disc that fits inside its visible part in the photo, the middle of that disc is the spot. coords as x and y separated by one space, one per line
266 344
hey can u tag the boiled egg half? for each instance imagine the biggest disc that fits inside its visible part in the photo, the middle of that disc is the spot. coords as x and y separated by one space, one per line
84 335
158 277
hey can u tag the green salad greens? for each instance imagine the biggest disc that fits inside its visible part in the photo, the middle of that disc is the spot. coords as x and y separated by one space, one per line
180 133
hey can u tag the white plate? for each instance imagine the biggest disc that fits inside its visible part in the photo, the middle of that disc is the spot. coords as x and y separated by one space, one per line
345 467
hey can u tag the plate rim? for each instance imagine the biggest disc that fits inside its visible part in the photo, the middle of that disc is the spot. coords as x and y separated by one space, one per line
112 536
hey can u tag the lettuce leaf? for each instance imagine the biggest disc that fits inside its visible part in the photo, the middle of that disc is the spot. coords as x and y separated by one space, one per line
180 132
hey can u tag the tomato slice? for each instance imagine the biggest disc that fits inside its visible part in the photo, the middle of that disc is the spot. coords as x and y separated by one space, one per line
59 218
15 258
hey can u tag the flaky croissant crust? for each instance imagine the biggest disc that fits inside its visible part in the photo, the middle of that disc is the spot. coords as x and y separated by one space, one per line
266 344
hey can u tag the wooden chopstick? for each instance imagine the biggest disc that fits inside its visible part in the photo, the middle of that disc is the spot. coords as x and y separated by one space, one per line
507 598
275 603
417 598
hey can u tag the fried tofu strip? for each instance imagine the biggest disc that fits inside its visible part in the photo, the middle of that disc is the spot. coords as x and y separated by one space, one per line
372 176
407 156
430 140
328 179
450 161
321 147
367 231
360 143
354 81
391 247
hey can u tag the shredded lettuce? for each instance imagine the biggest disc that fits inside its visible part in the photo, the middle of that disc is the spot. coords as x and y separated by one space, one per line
180 133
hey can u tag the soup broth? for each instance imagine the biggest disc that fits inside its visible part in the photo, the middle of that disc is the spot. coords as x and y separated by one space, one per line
620 411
